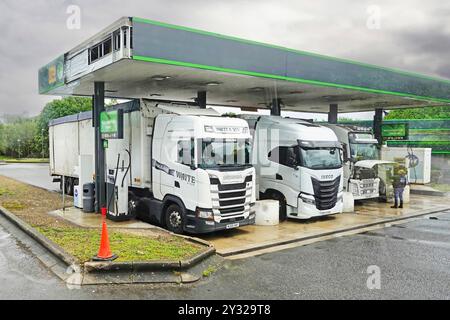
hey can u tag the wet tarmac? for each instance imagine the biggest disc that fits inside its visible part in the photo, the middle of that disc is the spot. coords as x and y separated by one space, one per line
36 174
252 237
412 258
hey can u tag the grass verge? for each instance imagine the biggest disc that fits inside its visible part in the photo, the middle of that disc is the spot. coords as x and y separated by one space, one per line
32 205
83 244
24 160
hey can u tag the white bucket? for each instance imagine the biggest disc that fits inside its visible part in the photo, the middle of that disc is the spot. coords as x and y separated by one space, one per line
348 202
406 195
267 213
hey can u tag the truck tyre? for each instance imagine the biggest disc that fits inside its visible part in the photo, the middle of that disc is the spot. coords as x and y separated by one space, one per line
174 218
133 203
383 197
282 203
69 186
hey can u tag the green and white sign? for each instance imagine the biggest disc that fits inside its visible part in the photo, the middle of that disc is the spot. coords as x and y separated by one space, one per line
52 75
111 124
394 131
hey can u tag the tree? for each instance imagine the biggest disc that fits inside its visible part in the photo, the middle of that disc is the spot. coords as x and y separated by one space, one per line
441 112
56 109
17 137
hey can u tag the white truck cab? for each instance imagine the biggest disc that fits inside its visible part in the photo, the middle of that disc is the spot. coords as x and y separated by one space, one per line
299 164
359 145
201 164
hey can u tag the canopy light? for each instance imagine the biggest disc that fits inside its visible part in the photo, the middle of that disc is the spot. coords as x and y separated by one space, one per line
160 78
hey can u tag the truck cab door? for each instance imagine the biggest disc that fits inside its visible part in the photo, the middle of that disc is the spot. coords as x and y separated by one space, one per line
284 173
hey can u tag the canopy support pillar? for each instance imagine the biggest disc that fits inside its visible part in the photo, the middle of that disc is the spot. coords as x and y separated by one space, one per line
377 121
201 99
100 184
275 108
333 114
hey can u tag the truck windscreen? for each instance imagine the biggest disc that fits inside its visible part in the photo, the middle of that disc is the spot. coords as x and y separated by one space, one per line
320 158
364 151
219 153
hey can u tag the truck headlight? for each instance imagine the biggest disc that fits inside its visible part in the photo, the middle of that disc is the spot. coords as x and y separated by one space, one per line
307 200
204 214
209 129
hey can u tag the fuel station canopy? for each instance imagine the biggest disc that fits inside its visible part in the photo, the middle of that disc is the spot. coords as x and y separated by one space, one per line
139 58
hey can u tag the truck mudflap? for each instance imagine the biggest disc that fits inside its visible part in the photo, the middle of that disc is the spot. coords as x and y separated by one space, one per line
198 225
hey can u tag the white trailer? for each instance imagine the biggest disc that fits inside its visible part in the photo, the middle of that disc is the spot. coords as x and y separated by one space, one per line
299 164
71 150
185 168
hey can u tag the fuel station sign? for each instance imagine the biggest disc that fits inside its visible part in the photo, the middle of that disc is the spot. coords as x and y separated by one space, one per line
111 124
52 75
394 131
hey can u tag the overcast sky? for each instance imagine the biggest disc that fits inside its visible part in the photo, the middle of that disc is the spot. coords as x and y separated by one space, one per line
410 34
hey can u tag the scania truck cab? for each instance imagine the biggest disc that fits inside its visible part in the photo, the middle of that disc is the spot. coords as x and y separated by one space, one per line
202 179
358 145
299 164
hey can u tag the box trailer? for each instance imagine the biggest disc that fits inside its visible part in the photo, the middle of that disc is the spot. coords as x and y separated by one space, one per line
71 150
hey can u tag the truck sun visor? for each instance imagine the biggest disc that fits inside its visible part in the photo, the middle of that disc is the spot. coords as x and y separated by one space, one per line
319 144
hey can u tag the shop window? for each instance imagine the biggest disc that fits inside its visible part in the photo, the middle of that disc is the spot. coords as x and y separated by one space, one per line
100 50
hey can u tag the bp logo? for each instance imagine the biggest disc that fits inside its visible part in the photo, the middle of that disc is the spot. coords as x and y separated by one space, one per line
60 71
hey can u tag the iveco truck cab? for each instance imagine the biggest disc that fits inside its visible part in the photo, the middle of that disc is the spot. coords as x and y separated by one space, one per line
359 145
299 164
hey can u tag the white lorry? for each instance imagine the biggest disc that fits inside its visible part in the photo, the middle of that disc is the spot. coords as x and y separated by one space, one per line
297 163
185 168
361 155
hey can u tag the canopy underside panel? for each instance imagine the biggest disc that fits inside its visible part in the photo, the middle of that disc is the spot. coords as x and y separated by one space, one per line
140 79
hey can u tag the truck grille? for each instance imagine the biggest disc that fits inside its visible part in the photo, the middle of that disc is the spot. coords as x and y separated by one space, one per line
325 193
231 200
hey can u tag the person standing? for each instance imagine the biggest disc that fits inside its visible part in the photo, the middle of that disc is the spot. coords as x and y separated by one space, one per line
399 183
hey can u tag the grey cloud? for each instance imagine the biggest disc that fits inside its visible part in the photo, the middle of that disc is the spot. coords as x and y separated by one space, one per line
414 34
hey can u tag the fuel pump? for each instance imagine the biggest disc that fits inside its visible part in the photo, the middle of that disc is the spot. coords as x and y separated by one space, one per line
117 191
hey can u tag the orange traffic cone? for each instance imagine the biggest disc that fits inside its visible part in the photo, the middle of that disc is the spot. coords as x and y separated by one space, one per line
104 252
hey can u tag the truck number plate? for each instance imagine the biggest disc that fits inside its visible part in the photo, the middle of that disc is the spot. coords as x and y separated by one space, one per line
233 225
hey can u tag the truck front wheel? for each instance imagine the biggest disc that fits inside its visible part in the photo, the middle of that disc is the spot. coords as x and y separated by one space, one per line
174 218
